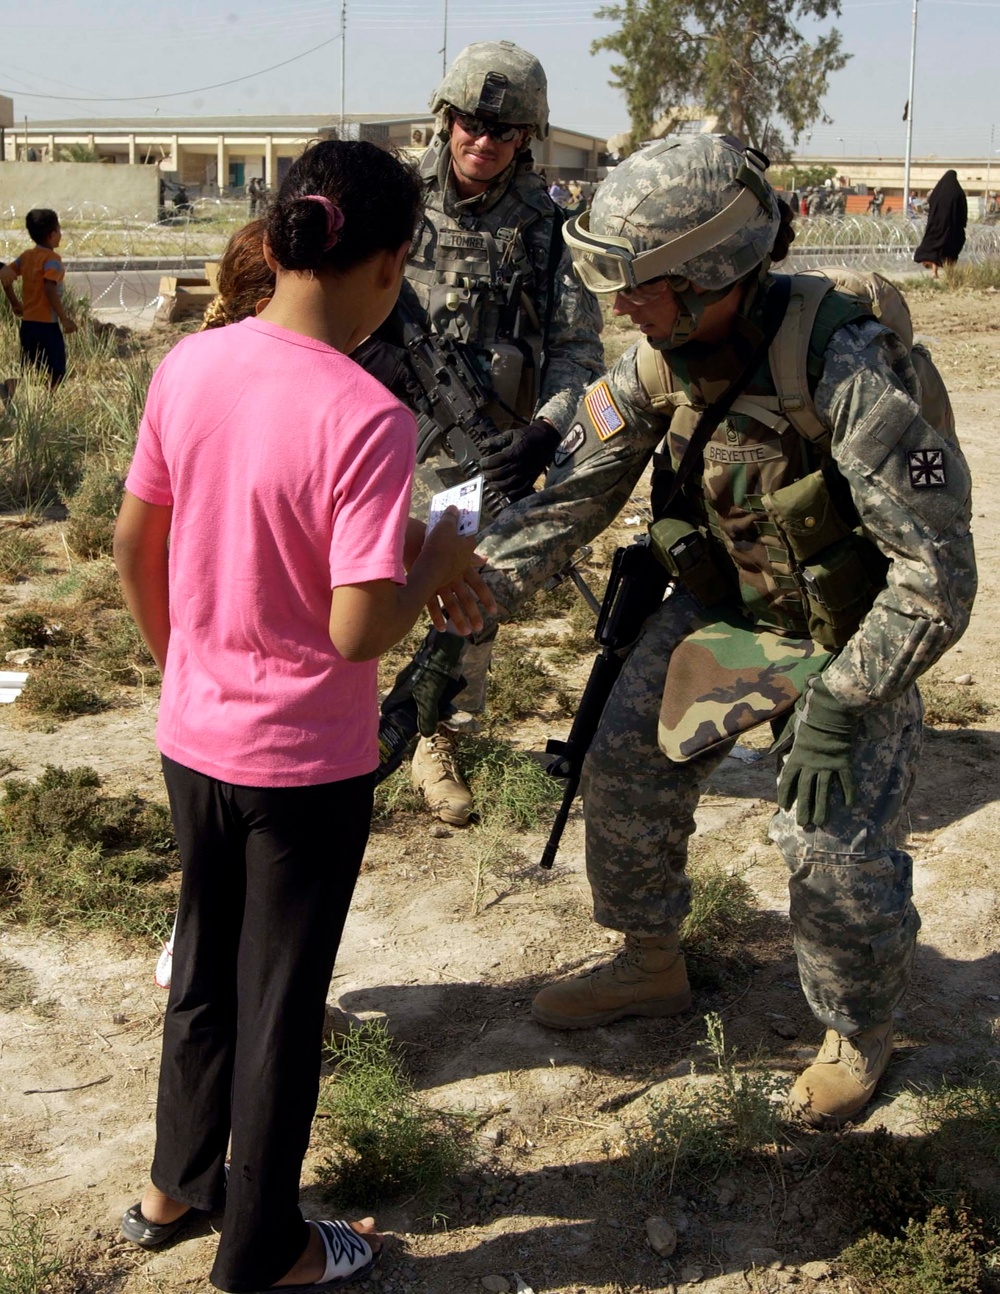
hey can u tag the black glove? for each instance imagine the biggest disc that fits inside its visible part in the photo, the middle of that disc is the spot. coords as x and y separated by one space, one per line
429 682
514 459
821 751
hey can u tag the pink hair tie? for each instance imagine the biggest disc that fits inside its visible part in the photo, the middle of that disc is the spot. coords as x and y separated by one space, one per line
334 218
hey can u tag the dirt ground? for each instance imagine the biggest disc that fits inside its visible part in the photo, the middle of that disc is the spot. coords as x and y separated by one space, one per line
545 1210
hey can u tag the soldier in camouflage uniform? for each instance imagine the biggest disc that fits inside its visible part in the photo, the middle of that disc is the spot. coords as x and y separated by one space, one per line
489 267
830 574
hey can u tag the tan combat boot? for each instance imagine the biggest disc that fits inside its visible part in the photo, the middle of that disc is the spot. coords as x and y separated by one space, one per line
433 771
842 1079
648 977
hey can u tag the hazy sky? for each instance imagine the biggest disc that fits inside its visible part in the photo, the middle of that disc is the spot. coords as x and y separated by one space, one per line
137 48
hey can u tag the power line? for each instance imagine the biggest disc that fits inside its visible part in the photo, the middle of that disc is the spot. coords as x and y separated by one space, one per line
174 94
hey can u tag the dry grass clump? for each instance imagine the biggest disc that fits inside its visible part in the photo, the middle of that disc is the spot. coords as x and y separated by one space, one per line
952 703
22 554
92 646
72 852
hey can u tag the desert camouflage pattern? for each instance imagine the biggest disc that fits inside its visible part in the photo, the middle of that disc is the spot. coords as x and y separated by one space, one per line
852 913
518 212
726 677
672 186
525 100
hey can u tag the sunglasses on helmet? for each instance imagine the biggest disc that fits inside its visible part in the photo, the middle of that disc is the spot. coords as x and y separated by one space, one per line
498 131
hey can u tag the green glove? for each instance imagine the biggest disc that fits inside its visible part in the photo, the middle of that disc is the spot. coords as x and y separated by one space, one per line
821 751
425 681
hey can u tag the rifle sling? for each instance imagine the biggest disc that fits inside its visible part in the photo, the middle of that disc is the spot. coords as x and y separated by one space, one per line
775 305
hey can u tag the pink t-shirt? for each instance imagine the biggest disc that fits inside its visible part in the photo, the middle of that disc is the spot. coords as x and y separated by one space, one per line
288 468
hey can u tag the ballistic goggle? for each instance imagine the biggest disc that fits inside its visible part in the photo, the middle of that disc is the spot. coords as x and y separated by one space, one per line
609 263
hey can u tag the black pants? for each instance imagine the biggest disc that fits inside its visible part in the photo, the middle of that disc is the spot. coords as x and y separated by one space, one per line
43 345
268 876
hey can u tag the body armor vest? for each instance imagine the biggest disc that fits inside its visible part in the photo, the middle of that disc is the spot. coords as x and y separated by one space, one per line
778 516
483 272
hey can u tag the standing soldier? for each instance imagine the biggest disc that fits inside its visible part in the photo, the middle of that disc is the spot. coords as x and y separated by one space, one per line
834 567
490 269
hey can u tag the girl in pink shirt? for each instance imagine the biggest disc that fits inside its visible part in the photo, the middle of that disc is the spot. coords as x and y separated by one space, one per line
263 547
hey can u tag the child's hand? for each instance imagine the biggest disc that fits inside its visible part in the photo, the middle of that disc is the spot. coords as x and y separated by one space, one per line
69 326
17 308
454 566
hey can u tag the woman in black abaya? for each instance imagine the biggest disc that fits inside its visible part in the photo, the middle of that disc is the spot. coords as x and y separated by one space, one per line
947 213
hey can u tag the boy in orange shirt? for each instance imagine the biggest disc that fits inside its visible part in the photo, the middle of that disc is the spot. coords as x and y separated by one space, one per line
41 271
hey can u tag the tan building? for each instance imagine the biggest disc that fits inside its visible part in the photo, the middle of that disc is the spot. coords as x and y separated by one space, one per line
208 154
975 175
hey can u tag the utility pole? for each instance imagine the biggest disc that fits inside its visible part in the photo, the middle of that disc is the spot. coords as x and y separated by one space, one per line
444 42
343 66
989 166
909 117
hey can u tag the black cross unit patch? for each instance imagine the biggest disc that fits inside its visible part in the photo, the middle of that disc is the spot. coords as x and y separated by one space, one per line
926 468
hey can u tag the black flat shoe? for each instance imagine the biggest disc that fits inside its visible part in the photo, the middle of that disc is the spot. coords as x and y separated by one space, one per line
148 1234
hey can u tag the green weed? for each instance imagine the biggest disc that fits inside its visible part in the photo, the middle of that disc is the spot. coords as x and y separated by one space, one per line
511 789
25 629
713 933
27 1263
69 851
884 1182
55 688
705 1128
966 1116
396 795
92 511
41 445
382 1142
518 682
938 1256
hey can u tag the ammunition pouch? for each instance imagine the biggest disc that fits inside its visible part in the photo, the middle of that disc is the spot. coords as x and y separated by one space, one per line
840 570
689 557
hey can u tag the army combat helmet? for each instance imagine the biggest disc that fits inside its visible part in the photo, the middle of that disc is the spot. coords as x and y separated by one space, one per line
695 210
498 82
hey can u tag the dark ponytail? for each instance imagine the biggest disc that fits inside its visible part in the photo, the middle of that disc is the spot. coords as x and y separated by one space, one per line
786 233
378 195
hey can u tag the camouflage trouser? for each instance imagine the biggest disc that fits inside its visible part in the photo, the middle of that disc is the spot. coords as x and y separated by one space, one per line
853 920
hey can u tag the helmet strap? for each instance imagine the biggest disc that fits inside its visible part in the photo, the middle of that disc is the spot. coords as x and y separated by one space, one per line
692 308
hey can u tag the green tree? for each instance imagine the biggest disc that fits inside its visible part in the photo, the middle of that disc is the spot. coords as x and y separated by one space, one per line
744 62
800 177
78 153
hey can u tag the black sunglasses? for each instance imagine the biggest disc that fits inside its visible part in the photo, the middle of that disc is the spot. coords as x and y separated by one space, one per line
475 126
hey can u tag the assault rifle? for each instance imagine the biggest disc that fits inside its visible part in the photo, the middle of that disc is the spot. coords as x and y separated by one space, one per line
450 394
635 589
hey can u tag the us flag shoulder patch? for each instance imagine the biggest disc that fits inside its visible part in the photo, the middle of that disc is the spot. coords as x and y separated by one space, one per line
603 411
926 468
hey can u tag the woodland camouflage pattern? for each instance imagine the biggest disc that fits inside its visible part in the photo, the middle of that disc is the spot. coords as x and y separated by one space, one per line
724 677
677 184
852 914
